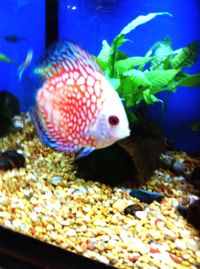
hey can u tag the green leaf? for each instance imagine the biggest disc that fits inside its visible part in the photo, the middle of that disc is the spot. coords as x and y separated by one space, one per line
161 78
132 87
4 58
185 57
150 98
162 52
190 81
141 20
103 57
104 53
129 63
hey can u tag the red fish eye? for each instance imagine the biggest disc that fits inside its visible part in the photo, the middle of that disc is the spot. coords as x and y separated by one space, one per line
113 120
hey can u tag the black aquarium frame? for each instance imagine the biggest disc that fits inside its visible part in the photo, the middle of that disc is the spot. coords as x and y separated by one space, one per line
24 252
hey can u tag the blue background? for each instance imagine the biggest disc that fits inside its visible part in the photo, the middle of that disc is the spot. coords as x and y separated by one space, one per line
23 18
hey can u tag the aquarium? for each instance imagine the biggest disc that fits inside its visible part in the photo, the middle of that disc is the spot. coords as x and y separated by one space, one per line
99 134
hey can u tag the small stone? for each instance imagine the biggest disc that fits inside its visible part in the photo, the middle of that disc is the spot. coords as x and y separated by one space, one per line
17 122
142 215
49 227
90 246
84 246
169 232
99 222
105 237
71 232
180 244
102 259
33 216
192 244
180 178
178 167
32 177
55 180
2 199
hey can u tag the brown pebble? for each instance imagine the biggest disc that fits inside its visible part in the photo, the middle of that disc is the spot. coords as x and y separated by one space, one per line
84 246
90 246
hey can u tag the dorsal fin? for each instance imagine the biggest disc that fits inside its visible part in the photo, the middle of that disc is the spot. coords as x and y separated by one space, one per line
64 56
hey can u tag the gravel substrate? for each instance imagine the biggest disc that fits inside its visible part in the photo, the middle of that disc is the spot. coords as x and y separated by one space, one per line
46 201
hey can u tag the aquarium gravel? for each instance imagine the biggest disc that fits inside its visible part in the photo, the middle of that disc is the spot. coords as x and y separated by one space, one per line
45 200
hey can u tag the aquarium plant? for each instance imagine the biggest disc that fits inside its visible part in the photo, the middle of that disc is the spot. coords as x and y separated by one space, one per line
138 80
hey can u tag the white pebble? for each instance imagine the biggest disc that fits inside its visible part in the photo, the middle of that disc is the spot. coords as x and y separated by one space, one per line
142 215
2 199
99 222
4 215
33 216
102 259
17 122
105 237
180 244
71 232
32 177
8 223
168 232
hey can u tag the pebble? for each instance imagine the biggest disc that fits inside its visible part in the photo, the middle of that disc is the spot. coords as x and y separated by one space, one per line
102 259
169 232
80 190
180 244
33 216
17 122
71 232
2 199
55 180
32 177
180 178
178 167
142 215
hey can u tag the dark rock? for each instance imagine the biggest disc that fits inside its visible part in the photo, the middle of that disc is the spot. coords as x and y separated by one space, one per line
131 159
5 163
110 165
191 212
146 196
9 107
131 209
174 165
194 178
11 159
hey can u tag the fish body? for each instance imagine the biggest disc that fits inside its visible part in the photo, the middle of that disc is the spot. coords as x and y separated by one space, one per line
77 110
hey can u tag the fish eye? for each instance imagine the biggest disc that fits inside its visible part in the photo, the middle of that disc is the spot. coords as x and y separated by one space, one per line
113 120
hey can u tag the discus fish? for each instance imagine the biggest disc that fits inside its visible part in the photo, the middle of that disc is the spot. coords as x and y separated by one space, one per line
77 110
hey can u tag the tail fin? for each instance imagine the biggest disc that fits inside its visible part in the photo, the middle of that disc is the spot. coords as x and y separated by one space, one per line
25 64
